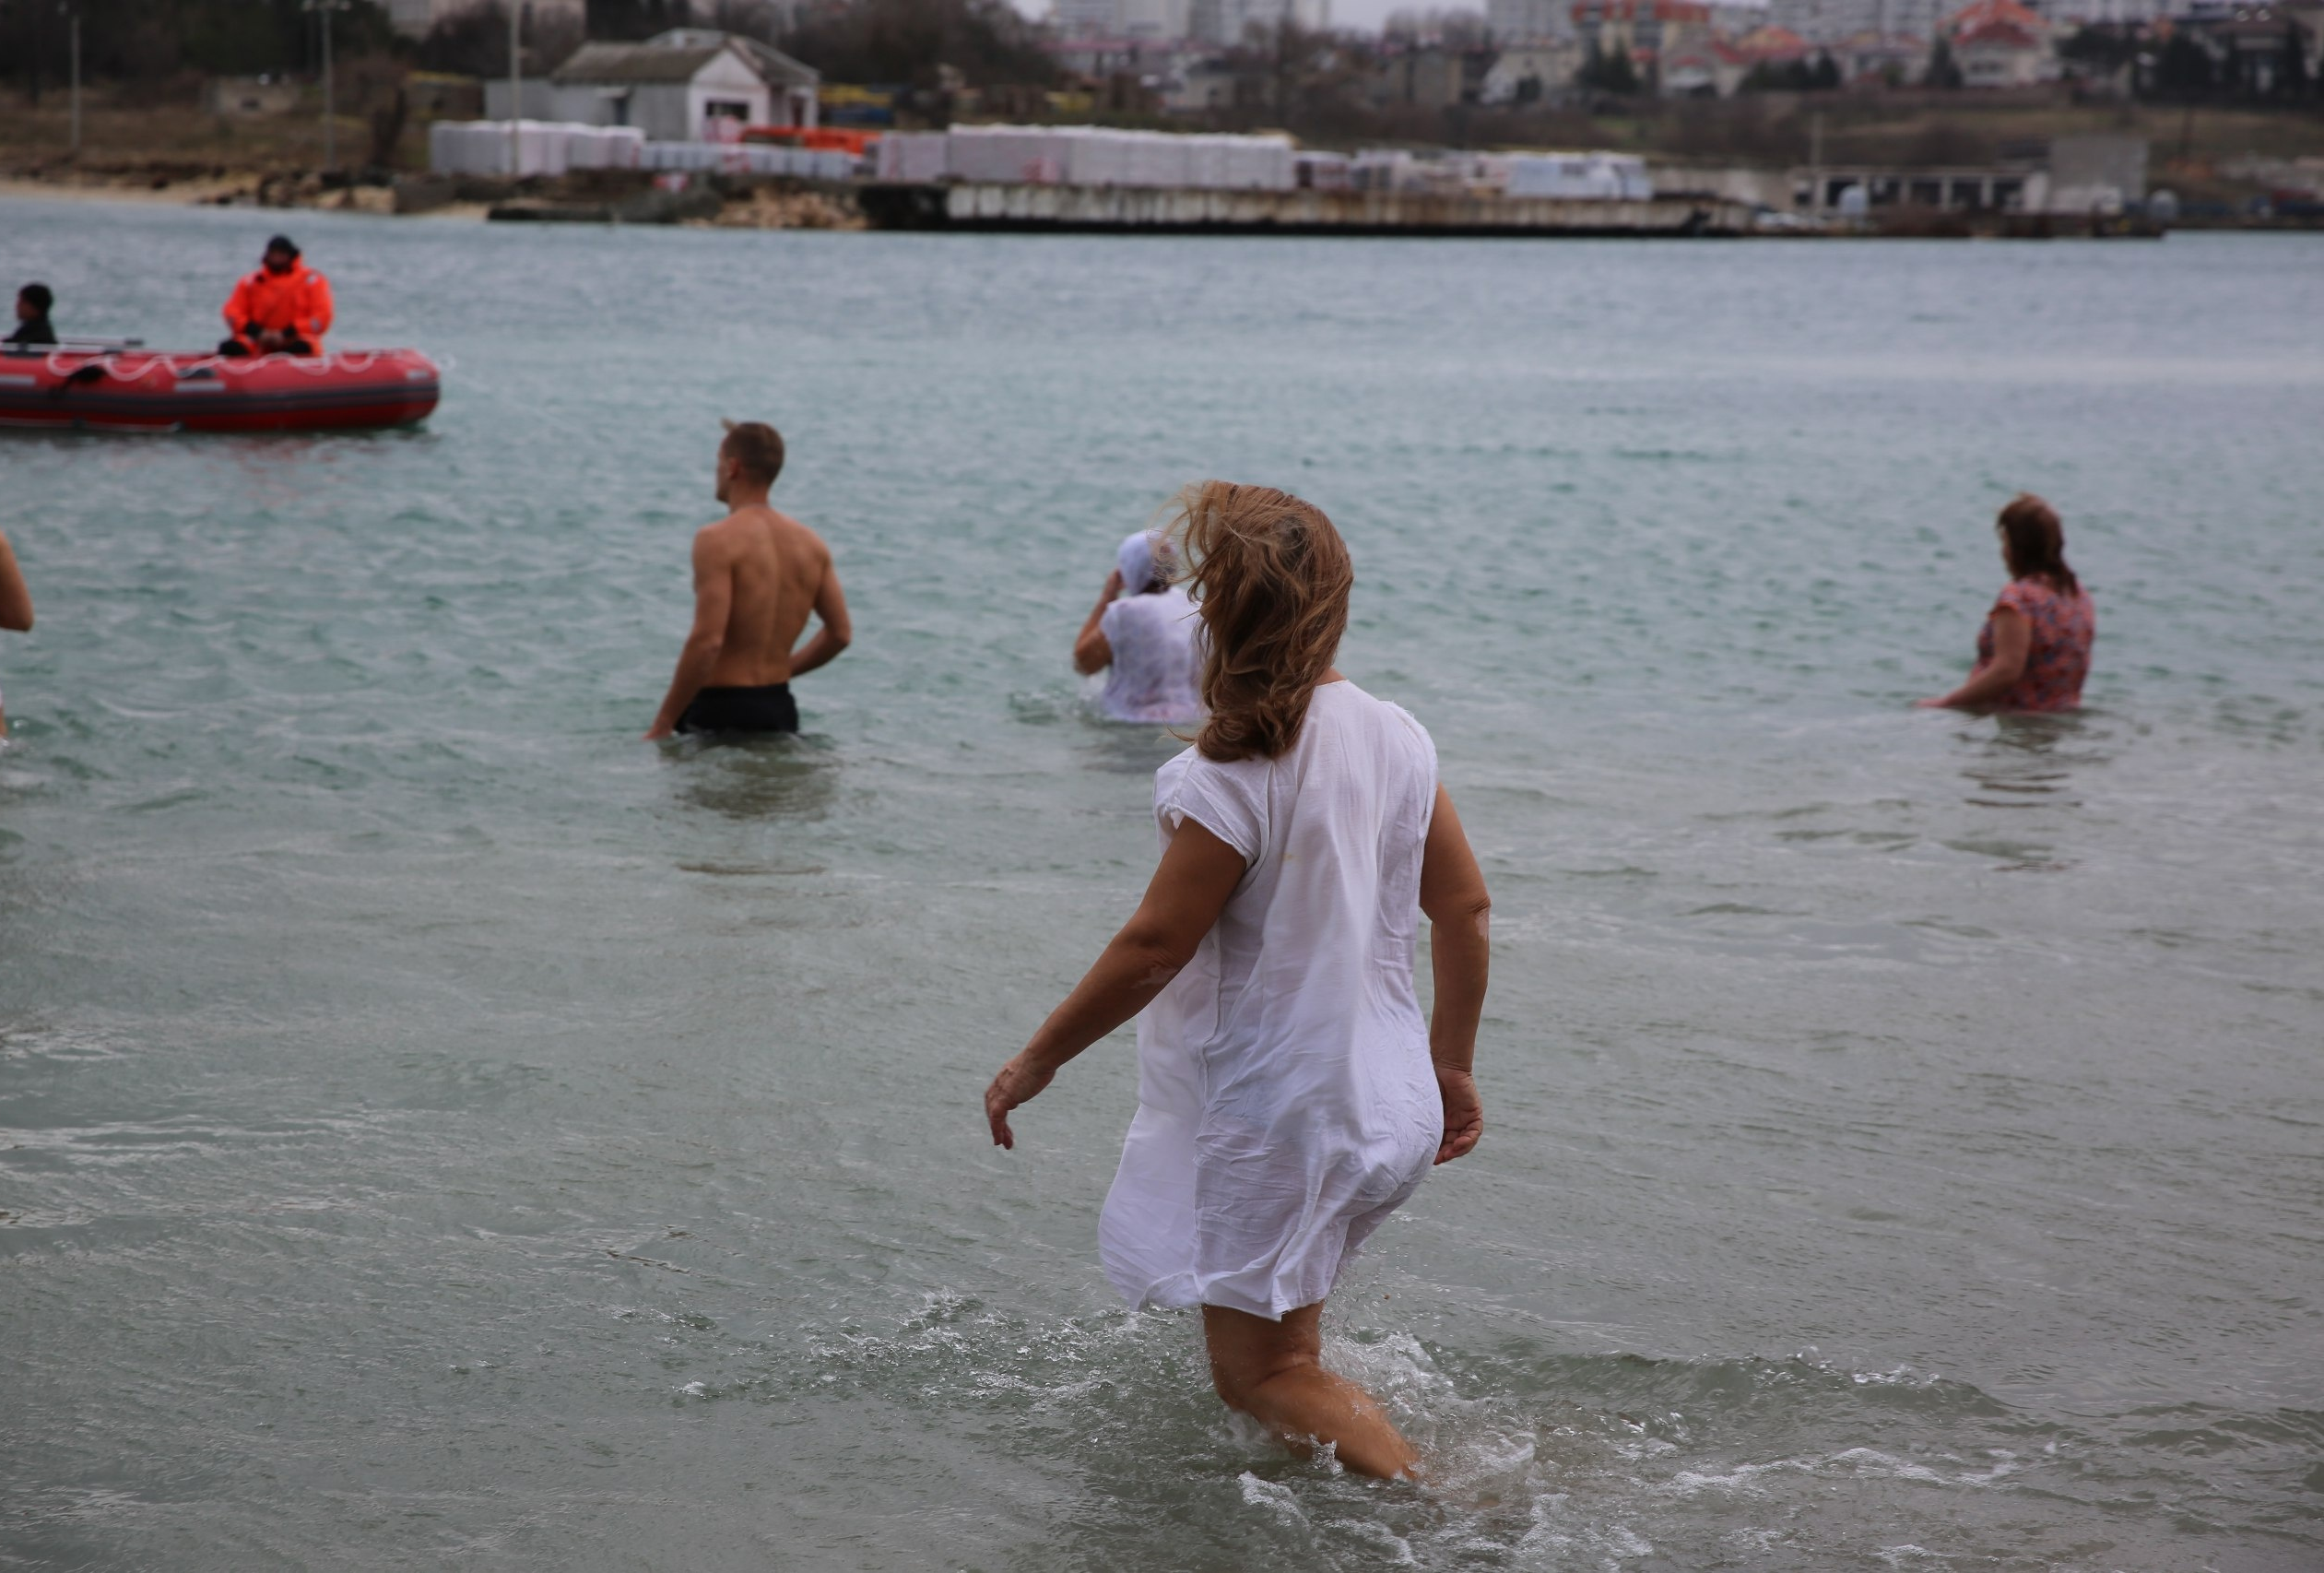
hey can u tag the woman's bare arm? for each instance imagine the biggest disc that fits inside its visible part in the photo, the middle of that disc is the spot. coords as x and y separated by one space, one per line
2012 642
1190 887
1459 913
1093 651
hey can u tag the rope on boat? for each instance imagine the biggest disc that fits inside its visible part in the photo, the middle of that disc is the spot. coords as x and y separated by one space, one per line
118 363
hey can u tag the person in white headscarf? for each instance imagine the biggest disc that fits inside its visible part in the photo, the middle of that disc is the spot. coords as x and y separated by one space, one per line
1142 635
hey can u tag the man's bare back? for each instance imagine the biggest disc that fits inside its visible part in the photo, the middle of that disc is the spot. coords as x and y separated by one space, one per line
759 574
775 568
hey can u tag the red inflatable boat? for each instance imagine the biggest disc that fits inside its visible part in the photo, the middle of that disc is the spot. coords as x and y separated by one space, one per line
143 390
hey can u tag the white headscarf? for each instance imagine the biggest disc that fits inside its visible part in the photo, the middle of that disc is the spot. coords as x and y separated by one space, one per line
1143 557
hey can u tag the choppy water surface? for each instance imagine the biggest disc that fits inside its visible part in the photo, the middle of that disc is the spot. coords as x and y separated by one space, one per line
437 1128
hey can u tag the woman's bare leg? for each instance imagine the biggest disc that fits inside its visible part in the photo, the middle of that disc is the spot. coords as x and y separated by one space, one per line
1273 1372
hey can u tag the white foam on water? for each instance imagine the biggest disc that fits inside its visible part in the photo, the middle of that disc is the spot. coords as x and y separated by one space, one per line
1273 1498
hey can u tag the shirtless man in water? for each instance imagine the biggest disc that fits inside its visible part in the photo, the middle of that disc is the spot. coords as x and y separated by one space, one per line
758 574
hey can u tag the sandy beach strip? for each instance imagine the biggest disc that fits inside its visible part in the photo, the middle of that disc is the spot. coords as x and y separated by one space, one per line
199 192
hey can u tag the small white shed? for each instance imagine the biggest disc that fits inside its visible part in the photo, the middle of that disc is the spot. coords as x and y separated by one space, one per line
685 85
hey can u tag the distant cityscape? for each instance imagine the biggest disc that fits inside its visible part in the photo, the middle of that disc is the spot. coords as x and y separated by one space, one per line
1701 115
1523 52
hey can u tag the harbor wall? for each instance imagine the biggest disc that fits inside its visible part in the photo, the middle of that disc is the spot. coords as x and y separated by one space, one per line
993 206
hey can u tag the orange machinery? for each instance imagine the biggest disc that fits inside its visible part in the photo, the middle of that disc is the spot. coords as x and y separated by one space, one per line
815 139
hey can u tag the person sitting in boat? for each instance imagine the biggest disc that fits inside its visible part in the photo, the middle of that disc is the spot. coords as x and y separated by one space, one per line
32 318
283 308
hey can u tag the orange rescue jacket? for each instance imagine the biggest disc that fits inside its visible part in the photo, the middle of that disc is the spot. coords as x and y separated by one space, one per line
299 300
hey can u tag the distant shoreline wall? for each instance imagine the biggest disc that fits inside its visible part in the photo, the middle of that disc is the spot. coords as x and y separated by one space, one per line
1129 210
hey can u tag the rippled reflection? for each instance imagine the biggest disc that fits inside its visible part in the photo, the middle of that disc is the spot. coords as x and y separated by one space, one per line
1122 748
756 779
2029 762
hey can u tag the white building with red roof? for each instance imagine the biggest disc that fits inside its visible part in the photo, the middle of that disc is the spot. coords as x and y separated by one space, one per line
1772 45
1999 43
1881 57
1713 68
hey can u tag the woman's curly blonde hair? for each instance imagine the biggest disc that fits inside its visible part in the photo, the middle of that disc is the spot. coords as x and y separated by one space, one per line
1272 576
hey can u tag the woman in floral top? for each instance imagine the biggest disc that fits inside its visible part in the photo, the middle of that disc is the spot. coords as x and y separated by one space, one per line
2034 650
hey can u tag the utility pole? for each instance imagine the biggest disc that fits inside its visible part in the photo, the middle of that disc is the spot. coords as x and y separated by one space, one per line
73 15
330 99
515 86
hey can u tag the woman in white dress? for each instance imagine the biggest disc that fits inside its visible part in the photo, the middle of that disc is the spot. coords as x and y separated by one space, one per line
1141 635
1290 1094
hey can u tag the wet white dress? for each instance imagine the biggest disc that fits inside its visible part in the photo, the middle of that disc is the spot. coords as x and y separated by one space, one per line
1286 1104
1156 674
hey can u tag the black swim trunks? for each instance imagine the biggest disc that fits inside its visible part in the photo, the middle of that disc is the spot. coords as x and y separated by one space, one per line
766 709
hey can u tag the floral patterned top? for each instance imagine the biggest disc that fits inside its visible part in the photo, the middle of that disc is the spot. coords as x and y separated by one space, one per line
2059 656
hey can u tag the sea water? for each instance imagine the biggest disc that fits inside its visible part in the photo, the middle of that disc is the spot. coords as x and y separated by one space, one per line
439 1129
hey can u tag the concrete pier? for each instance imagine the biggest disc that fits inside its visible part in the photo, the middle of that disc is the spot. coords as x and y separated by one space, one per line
1126 209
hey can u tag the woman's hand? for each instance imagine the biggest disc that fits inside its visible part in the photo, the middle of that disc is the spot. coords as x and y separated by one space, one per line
1018 1082
1992 678
1191 887
1113 588
1463 1113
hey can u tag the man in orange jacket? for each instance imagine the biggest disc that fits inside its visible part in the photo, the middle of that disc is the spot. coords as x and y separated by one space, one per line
285 306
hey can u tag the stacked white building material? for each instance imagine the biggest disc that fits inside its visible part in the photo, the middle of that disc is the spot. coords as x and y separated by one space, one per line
1321 171
1387 169
486 147
911 155
1008 155
1159 162
605 148
1091 155
537 147
553 148
748 158
1603 177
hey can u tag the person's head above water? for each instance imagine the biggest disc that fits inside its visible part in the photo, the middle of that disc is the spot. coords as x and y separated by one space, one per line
33 302
1273 578
749 459
2034 542
282 254
1147 562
